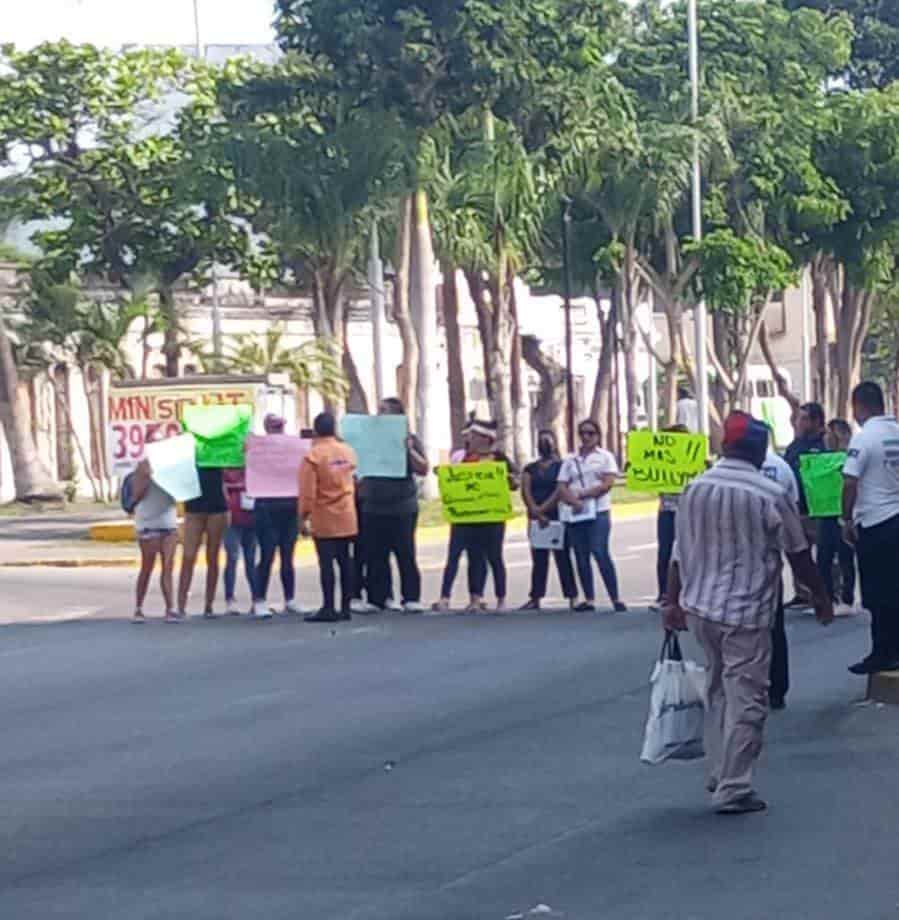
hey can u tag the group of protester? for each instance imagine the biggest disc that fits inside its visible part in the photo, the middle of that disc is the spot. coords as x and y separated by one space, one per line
733 525
358 524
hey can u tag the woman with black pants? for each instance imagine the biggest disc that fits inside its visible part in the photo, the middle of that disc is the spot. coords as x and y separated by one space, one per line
539 489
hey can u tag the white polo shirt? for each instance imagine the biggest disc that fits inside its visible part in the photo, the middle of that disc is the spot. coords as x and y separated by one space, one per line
582 473
873 459
778 470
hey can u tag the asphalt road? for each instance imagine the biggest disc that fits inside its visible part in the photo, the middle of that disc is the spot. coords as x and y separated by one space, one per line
412 768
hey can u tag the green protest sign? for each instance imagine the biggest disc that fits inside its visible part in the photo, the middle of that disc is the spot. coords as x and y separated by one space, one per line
475 493
220 433
822 482
664 461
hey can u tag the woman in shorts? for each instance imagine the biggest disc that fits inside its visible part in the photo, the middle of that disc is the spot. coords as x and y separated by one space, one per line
156 524
205 516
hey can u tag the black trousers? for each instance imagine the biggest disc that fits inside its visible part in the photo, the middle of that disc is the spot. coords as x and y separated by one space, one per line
666 530
453 554
386 535
779 673
277 529
331 550
831 546
484 543
540 572
878 563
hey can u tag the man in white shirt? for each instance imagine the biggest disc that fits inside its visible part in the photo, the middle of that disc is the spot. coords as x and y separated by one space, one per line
687 410
585 481
778 470
871 521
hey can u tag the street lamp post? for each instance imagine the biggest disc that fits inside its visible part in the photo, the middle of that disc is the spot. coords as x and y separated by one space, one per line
700 316
569 360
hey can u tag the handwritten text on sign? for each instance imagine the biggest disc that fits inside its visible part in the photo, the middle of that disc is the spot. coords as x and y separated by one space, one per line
664 462
475 493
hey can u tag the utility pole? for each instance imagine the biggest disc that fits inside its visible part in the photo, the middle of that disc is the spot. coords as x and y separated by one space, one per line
569 358
700 315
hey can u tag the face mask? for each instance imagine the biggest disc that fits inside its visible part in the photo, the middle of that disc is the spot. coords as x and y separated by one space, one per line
546 448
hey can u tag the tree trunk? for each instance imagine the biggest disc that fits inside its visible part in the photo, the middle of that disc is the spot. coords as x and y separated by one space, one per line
59 380
599 406
33 481
407 374
423 302
499 371
478 293
455 368
63 402
516 383
357 399
94 414
550 410
171 346
672 369
822 345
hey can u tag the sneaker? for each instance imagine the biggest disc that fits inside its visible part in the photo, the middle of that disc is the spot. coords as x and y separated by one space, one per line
295 609
138 617
231 608
619 607
532 604
344 615
210 615
441 606
413 607
586 607
324 616
173 617
393 606
360 606
260 611
746 805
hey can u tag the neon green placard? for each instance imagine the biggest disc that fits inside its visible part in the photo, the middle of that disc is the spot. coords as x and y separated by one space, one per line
822 482
475 493
220 433
664 461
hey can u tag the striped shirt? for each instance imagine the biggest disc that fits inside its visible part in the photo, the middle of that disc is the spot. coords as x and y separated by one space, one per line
733 524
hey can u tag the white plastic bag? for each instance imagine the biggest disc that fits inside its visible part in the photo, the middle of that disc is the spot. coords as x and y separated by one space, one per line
674 729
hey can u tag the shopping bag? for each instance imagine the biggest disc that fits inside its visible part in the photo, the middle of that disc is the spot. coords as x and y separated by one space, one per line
674 728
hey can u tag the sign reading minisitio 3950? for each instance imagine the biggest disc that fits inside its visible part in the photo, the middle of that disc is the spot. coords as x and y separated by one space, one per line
143 412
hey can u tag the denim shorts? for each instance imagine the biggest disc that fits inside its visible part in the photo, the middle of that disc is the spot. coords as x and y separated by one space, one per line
155 534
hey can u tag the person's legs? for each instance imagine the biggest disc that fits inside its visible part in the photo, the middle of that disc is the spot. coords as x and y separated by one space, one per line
248 544
829 538
194 528
601 531
580 543
665 532
167 577
378 538
878 559
216 526
149 549
746 654
345 565
403 545
326 551
708 635
475 544
846 555
779 674
495 536
268 541
288 533
233 539
539 573
566 572
359 551
454 550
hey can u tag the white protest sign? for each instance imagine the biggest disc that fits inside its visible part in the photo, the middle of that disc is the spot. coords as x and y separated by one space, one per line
173 466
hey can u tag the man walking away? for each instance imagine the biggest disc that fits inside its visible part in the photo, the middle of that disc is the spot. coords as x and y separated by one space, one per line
778 470
327 502
733 526
809 440
871 522
831 544
389 520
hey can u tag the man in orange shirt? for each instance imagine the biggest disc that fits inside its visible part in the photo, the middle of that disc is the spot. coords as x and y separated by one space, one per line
327 503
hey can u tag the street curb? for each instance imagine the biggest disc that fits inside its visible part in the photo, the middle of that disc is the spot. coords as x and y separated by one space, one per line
123 532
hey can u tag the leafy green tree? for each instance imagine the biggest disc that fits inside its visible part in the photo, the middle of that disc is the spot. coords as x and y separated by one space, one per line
131 195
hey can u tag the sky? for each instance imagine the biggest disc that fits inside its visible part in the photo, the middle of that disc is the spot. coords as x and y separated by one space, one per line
117 22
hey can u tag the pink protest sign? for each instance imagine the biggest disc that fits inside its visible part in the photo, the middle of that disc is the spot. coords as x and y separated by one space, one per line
273 465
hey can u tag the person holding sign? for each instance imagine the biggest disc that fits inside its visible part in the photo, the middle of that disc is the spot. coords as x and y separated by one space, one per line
156 525
831 545
327 503
871 521
585 481
540 491
240 538
389 519
484 542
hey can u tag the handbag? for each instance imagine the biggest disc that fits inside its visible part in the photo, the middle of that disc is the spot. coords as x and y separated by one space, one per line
589 510
676 723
